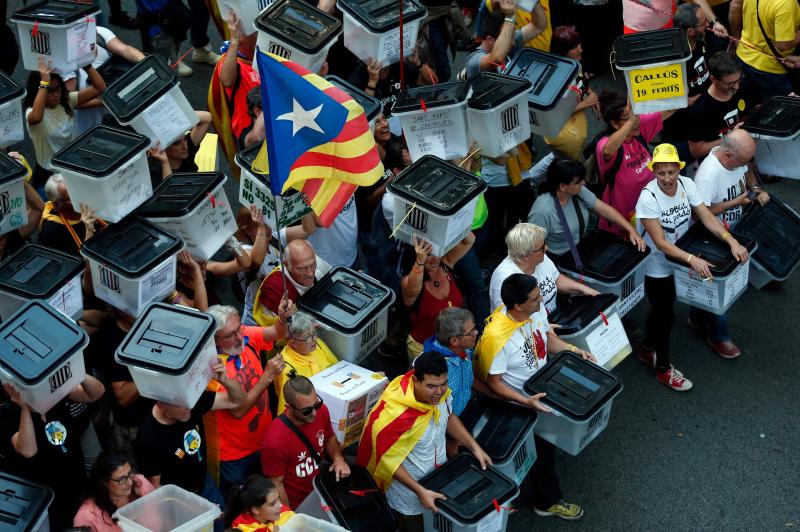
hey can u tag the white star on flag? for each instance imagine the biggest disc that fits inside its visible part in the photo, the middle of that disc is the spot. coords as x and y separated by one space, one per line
301 118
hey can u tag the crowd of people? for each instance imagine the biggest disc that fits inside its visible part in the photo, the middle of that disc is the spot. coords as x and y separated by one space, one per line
471 321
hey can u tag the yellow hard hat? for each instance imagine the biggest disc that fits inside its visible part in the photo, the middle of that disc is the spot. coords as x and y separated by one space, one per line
665 153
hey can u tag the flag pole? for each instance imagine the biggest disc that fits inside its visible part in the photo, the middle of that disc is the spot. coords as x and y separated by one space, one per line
402 55
280 246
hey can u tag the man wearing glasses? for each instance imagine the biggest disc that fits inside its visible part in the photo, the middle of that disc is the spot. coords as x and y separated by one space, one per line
294 444
721 108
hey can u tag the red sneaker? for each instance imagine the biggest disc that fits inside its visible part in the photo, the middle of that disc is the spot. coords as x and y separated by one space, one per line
648 356
725 349
674 379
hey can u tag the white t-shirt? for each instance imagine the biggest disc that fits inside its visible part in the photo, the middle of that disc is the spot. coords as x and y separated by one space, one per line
524 354
429 453
54 132
86 119
337 244
674 213
546 274
716 184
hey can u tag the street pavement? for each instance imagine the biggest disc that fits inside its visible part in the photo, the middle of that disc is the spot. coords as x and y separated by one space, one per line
722 456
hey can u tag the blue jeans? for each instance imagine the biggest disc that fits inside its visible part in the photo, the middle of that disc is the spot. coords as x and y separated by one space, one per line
483 12
766 83
233 473
716 327
199 23
440 46
211 493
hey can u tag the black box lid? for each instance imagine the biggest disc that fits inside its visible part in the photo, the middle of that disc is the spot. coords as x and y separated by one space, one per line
345 299
778 117
22 502
380 16
9 89
649 47
490 90
550 75
38 272
114 68
606 257
776 228
131 247
701 243
245 159
141 86
356 511
36 340
577 312
449 93
437 185
10 169
504 425
100 151
372 106
304 26
574 386
166 338
180 194
470 490
56 12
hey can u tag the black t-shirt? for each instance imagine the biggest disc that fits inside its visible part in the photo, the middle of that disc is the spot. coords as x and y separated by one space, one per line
55 235
708 119
58 461
187 165
177 452
100 355
697 71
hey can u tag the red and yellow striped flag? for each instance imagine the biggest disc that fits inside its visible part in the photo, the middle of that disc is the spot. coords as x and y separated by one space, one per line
393 428
318 138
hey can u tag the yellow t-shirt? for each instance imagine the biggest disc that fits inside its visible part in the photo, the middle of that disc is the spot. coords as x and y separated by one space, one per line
781 19
542 41
305 365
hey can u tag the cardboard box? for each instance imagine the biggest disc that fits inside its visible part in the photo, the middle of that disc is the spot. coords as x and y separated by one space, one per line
350 392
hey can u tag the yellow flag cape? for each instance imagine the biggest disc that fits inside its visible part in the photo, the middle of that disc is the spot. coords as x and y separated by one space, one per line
393 428
499 328
306 365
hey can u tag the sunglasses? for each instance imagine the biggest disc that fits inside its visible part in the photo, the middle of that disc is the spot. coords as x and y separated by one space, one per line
305 412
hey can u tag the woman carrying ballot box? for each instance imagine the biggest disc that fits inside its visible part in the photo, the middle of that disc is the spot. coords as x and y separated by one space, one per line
664 211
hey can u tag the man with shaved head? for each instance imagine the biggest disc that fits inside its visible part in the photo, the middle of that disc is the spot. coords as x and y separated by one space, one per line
302 266
726 183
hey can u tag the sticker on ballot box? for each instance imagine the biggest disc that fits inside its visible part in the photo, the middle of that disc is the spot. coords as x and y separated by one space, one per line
292 208
491 523
737 282
607 340
657 82
691 287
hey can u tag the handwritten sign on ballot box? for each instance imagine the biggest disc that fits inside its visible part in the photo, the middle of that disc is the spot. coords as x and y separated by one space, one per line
290 208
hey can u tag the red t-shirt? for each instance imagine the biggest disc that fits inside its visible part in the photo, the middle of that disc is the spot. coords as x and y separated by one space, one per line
283 454
423 320
248 79
272 291
242 437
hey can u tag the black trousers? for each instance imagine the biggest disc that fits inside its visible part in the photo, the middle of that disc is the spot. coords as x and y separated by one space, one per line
507 206
661 294
546 488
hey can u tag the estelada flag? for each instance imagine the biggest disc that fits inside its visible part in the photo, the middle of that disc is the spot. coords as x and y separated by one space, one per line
393 428
318 140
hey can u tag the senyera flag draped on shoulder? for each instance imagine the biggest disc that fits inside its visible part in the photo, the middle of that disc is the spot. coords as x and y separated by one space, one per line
318 138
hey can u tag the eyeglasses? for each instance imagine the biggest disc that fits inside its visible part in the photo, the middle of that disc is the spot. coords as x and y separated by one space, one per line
471 332
540 250
123 479
54 88
731 84
305 412
231 334
308 339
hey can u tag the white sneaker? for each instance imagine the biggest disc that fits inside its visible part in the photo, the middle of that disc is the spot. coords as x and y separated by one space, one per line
184 70
205 55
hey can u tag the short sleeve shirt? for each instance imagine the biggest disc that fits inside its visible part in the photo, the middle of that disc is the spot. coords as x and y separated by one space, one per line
674 213
716 184
544 214
524 354
283 454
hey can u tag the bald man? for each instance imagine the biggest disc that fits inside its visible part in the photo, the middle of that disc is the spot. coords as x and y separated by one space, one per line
726 181
303 267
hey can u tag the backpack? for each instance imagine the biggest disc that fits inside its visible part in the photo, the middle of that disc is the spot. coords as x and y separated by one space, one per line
594 181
